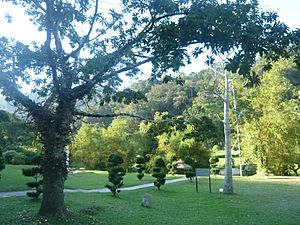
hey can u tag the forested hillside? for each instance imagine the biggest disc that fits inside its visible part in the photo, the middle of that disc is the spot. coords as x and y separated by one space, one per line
183 120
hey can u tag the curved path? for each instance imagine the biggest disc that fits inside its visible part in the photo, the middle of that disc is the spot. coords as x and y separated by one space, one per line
101 190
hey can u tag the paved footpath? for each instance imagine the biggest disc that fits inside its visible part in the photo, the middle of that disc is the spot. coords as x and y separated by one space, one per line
101 190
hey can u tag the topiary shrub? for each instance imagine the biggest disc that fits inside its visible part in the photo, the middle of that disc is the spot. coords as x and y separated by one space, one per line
2 163
9 155
36 173
190 171
213 161
159 172
115 173
140 167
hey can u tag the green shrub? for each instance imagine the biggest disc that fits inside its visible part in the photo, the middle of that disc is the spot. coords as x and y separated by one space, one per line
115 173
36 173
213 161
159 172
9 155
19 159
140 167
249 169
190 172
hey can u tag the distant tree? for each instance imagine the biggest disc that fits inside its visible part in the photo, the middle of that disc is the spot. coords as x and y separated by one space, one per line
271 136
159 172
115 173
89 147
140 165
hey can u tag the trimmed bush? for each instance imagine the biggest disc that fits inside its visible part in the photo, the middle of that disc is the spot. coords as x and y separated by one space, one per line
36 173
9 155
190 172
213 161
115 173
159 172
140 167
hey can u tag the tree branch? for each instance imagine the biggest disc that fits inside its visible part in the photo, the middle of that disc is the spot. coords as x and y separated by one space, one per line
11 90
49 30
86 38
113 58
219 95
238 120
219 118
83 89
84 114
39 6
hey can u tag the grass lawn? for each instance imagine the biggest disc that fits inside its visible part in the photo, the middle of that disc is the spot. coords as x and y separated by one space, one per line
13 180
261 201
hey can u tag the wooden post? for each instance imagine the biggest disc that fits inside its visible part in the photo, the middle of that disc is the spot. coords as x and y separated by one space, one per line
209 180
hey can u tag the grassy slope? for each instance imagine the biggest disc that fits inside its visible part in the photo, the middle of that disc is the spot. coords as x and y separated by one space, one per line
268 201
13 180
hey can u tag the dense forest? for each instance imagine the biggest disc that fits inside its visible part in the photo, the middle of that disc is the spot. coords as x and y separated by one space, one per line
180 119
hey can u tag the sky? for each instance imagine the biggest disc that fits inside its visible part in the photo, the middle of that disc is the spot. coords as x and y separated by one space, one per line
21 28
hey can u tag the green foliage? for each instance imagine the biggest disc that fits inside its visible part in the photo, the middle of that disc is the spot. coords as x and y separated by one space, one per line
159 172
190 172
213 161
36 173
15 133
271 135
92 145
18 159
9 155
115 173
88 147
140 167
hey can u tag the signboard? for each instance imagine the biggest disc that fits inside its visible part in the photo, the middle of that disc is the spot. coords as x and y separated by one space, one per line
203 172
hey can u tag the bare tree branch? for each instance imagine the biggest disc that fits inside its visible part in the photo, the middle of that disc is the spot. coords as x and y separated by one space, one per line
219 118
86 38
219 95
39 6
11 89
80 113
238 120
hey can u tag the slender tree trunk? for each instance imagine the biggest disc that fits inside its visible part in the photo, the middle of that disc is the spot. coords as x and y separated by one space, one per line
237 130
228 184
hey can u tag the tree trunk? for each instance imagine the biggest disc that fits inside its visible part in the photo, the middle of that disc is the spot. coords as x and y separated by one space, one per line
55 131
237 130
54 173
228 184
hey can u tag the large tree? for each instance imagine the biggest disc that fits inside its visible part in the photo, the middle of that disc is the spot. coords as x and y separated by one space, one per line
86 47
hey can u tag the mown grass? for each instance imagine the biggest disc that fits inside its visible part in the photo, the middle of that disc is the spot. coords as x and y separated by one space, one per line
261 201
13 180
